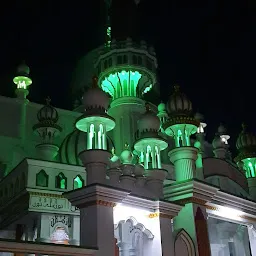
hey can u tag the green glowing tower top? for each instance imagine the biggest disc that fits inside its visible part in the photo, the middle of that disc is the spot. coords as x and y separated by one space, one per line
246 146
181 123
125 68
22 80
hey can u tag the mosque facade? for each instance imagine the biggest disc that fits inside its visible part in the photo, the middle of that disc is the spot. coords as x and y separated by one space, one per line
120 174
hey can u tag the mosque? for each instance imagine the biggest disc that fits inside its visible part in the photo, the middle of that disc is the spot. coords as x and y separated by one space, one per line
119 174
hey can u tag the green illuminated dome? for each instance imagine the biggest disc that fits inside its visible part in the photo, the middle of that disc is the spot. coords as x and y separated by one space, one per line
179 104
161 107
75 143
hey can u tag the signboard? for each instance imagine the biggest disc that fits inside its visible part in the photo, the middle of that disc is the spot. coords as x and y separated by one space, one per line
51 204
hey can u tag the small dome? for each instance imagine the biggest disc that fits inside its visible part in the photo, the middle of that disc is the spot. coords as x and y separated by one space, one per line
199 117
23 69
161 107
178 103
47 113
95 97
148 121
126 157
222 130
218 142
245 139
73 144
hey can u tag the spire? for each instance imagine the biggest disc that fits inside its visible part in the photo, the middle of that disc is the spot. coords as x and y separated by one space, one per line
124 19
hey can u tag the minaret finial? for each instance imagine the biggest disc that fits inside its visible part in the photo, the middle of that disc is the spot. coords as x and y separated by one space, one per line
48 100
94 82
176 88
126 146
244 126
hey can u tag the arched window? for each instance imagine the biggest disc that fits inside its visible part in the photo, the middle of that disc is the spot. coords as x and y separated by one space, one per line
42 179
78 182
61 181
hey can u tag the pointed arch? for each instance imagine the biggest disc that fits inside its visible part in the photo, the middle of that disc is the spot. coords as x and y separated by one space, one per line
181 239
78 182
61 181
42 179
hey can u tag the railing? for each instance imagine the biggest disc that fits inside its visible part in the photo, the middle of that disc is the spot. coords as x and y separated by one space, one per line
22 248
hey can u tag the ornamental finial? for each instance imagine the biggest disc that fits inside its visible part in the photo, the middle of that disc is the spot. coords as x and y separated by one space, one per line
244 126
147 106
48 101
94 82
126 146
176 88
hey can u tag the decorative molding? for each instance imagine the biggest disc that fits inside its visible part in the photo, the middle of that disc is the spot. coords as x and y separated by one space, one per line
192 200
99 202
45 194
160 215
44 248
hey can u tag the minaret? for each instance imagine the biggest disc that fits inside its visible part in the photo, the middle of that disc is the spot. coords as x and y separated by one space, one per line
96 123
150 145
23 81
181 125
47 129
126 71
246 158
220 143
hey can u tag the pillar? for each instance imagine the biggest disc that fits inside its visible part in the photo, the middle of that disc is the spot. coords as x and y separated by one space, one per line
167 239
184 159
96 204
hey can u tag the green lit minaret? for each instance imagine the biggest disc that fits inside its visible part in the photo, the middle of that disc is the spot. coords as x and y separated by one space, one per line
22 81
246 158
126 70
180 125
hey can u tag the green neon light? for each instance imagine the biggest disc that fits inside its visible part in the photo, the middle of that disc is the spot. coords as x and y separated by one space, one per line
22 82
147 89
121 84
250 167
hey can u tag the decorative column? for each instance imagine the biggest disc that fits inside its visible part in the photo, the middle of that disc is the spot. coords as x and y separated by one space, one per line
47 129
95 122
127 178
150 144
181 125
246 158
96 204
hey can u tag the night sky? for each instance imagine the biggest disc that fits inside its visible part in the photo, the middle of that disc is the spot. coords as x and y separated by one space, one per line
208 47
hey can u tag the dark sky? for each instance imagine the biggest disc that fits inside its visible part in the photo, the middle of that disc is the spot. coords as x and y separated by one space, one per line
206 46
